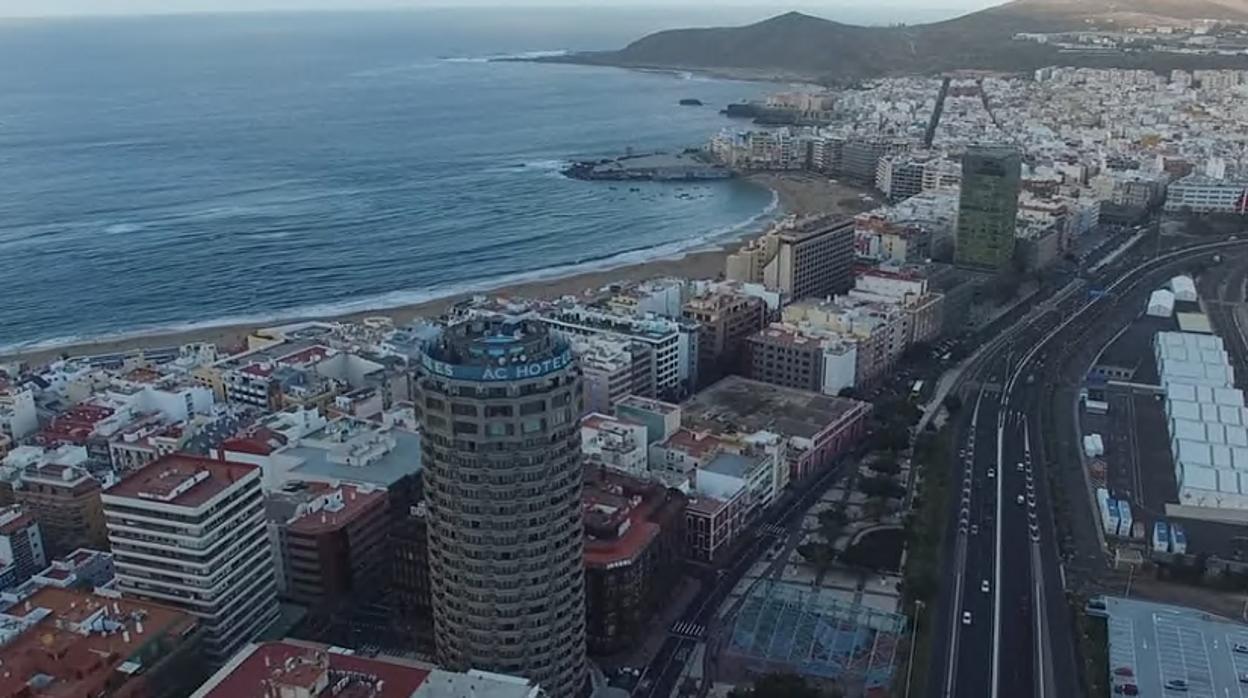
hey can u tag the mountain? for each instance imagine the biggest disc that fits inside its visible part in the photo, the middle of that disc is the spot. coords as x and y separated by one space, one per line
798 45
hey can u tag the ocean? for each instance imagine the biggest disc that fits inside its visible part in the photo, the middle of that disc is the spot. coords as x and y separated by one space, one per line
168 173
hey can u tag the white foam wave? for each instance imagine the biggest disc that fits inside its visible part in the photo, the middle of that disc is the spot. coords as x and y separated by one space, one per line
522 56
709 241
122 228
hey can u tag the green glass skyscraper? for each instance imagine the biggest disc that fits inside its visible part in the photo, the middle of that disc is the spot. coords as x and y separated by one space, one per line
988 207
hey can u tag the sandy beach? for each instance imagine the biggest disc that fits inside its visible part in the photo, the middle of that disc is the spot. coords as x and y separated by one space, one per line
799 193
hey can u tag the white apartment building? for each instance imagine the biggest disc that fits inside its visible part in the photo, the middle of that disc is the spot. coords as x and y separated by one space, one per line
616 443
613 368
18 416
674 343
189 532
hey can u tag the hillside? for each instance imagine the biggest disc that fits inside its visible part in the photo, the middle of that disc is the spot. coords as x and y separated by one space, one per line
796 44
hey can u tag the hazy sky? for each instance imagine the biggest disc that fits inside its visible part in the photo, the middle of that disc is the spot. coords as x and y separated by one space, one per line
827 8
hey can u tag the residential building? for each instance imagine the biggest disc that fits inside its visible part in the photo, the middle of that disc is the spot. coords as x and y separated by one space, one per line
499 401
880 330
634 545
726 319
613 367
988 209
789 356
21 546
860 157
330 543
189 532
67 642
65 500
616 443
82 569
714 519
296 669
661 419
673 343
19 417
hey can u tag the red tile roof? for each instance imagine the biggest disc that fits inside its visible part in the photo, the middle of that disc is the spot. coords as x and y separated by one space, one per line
291 663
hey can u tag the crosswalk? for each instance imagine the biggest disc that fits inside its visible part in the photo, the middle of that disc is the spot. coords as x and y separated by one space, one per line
775 530
685 628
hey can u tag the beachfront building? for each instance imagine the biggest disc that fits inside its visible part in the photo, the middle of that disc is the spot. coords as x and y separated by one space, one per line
499 401
800 258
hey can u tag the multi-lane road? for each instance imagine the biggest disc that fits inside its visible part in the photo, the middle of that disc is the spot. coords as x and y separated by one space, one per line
1015 639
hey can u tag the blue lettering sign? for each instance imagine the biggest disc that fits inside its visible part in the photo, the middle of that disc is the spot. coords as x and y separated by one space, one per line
497 373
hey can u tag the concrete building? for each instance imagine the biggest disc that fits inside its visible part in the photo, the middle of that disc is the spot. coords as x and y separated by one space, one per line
616 443
189 532
409 577
65 500
21 546
812 429
988 209
614 367
880 331
1202 194
19 417
673 343
82 569
330 543
785 355
65 642
725 319
499 403
295 669
661 419
860 157
634 546
801 258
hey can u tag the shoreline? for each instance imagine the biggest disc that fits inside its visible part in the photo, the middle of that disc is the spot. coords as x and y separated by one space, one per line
796 193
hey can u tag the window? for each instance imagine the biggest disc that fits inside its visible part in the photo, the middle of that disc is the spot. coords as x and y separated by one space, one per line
434 404
498 411
463 410
534 407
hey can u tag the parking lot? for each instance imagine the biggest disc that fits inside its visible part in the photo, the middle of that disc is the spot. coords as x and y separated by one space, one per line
1167 650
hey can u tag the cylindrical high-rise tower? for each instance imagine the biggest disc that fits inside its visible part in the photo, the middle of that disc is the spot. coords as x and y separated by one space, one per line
499 401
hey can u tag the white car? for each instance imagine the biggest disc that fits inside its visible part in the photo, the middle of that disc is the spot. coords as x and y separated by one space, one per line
966 618
992 473
983 586
1021 468
1019 500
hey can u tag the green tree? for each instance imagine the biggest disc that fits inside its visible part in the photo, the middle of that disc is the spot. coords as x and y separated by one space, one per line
881 487
887 464
821 556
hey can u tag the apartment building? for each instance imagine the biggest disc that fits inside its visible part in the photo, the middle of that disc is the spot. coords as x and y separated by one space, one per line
65 500
726 319
801 258
21 546
67 642
331 543
803 358
189 532
1201 194
613 367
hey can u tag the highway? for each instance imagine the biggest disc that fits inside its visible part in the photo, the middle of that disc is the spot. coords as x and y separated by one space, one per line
1021 642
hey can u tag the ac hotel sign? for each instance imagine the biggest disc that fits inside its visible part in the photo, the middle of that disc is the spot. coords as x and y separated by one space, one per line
509 372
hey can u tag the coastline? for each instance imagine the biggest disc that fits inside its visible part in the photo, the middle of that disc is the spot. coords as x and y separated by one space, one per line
797 193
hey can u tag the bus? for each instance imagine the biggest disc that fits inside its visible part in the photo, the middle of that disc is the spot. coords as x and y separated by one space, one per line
917 390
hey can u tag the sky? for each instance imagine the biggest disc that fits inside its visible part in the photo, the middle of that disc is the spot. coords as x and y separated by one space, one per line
826 8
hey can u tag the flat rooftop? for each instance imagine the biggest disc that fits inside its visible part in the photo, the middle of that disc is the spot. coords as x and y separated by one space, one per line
180 480
323 454
297 664
1159 643
330 508
744 406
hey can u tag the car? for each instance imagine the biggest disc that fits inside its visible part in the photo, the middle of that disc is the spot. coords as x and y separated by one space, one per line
1130 689
974 529
1176 685
1124 671
992 473
1240 647
983 586
1243 678
1020 500
966 618
1021 468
